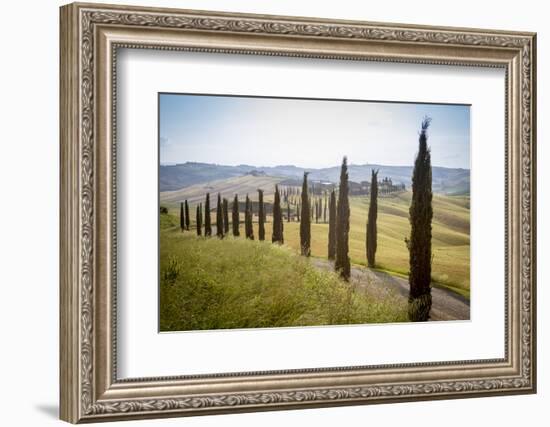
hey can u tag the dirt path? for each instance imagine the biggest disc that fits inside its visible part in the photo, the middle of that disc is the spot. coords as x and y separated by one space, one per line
446 305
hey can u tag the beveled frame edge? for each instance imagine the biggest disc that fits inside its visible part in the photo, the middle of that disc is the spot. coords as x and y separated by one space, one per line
88 391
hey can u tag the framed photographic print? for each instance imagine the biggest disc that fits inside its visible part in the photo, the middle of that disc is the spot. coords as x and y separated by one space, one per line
264 212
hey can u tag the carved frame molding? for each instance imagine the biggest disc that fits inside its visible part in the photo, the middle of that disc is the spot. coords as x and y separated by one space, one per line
90 36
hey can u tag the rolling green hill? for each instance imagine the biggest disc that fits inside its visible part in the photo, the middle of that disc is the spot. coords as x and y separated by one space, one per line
208 283
450 241
451 228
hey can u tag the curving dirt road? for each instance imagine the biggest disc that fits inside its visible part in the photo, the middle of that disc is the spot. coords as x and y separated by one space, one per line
446 305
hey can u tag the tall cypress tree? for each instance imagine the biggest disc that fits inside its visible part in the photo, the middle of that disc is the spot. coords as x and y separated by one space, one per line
182 217
332 226
371 222
277 236
187 219
287 211
235 219
261 215
251 216
305 224
298 207
225 206
199 220
207 224
249 230
342 262
315 208
325 210
202 218
219 217
420 242
246 213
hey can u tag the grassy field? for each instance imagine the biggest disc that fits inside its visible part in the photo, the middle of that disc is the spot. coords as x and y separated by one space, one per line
238 283
450 243
451 240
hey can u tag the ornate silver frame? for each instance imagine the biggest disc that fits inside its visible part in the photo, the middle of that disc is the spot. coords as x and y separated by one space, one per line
90 36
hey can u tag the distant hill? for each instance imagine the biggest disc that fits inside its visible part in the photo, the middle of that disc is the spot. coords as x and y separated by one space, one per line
174 177
240 185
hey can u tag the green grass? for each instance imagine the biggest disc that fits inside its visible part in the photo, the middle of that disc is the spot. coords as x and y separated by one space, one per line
237 283
450 241
450 237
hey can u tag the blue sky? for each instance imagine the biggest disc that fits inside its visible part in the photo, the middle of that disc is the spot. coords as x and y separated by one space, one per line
307 133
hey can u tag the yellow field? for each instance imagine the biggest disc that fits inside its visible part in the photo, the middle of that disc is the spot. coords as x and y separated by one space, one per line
450 240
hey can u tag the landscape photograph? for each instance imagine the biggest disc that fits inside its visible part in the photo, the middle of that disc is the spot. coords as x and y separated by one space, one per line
296 212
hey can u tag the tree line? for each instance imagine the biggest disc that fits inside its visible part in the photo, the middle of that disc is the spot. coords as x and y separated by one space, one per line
335 208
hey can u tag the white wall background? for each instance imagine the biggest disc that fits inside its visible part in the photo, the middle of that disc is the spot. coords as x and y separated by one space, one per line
29 170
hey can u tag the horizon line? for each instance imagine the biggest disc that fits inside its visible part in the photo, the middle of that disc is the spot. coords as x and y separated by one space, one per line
301 167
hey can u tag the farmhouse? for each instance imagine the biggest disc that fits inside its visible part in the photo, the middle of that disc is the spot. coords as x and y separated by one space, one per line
385 186
319 188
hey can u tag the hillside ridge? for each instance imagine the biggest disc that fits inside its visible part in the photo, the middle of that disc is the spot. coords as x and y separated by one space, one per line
451 181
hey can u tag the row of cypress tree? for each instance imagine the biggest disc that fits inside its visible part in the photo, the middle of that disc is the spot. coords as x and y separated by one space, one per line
338 230
419 243
338 220
222 217
420 217
318 209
